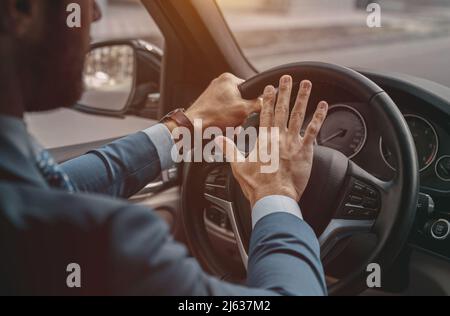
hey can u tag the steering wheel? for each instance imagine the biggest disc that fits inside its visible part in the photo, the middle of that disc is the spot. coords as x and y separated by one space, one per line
359 218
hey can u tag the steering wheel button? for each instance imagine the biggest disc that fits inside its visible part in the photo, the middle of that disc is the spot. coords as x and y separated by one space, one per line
355 200
210 190
440 229
370 203
211 179
371 193
351 212
222 194
358 189
358 213
212 215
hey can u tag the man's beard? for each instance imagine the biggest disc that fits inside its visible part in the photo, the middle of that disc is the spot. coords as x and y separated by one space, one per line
52 70
53 83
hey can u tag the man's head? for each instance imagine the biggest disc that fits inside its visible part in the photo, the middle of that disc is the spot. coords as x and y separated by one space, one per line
41 54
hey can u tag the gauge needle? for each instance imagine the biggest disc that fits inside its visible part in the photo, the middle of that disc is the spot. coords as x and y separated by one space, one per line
340 133
444 170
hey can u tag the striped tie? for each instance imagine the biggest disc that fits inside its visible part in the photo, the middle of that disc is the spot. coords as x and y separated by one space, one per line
52 172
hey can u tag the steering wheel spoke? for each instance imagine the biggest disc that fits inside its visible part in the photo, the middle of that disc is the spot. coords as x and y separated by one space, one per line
339 229
361 203
227 208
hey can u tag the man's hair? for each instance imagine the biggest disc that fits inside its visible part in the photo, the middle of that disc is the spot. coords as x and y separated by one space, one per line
49 69
24 5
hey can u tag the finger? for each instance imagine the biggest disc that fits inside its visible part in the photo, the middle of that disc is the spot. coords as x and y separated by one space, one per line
267 114
284 98
299 110
316 124
229 149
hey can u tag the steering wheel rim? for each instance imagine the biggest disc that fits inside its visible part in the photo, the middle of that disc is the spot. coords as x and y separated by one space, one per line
397 199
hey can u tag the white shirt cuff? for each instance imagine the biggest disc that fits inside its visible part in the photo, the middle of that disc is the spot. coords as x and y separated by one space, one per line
275 204
161 137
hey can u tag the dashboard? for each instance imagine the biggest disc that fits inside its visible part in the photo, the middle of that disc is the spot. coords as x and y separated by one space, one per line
351 129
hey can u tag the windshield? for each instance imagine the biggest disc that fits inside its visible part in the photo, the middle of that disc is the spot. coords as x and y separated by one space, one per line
405 36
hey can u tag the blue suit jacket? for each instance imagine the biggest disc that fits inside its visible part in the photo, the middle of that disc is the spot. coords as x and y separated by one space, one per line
124 248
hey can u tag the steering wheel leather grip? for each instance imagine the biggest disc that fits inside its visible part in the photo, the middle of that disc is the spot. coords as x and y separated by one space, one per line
334 176
313 71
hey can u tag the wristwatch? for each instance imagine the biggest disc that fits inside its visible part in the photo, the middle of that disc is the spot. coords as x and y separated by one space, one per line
180 118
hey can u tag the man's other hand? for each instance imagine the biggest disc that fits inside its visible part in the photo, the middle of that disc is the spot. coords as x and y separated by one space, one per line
295 151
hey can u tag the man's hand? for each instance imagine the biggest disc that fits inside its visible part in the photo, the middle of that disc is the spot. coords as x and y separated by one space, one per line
296 152
221 105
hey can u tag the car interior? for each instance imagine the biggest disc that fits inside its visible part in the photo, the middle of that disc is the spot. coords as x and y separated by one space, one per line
380 186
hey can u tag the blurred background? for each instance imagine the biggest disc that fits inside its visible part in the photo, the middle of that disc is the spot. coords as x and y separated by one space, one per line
414 37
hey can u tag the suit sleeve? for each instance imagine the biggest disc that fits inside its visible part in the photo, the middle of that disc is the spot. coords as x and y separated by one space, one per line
284 260
284 256
124 167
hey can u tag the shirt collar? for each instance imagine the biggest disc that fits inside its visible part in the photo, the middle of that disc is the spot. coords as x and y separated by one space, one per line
17 153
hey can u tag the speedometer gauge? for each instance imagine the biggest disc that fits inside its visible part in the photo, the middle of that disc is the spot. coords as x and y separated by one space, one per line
425 138
344 130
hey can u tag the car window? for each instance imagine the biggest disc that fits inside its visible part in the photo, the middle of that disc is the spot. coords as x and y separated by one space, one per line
121 19
411 37
126 19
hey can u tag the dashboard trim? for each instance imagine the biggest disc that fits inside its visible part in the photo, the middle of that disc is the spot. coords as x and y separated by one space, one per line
436 166
436 136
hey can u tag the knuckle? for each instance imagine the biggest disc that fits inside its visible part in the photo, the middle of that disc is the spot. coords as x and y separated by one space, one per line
282 102
306 84
226 76
320 116
295 120
269 90
266 117
303 95
313 129
284 88
281 109
267 111
297 114
268 98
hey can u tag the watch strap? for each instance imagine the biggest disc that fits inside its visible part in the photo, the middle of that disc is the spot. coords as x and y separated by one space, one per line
180 118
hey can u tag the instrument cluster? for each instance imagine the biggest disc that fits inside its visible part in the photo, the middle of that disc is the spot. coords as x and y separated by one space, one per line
348 129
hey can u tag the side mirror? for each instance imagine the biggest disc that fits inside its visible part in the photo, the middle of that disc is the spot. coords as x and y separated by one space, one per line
121 77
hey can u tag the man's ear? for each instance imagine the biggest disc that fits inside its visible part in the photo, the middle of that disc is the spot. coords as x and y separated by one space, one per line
19 15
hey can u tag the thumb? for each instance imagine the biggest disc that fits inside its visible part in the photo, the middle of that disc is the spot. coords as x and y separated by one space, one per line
255 106
229 149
